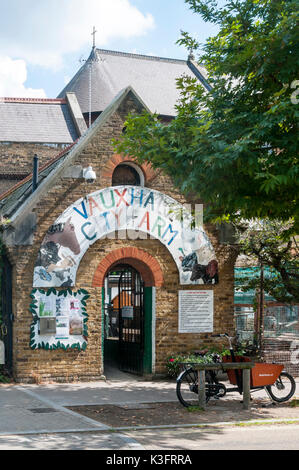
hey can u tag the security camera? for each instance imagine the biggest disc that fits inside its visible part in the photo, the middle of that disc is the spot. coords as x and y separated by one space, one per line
89 175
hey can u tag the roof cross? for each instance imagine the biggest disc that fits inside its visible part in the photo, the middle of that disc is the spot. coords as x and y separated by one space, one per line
94 36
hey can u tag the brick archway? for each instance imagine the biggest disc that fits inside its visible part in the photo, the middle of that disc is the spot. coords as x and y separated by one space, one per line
148 266
117 159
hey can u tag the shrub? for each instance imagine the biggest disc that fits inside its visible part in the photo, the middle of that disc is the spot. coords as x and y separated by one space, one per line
173 361
173 364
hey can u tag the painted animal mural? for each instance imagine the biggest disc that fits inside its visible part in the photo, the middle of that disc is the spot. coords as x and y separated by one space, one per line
208 273
51 256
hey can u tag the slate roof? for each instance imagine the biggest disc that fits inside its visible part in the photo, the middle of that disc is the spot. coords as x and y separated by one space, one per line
153 78
36 120
19 199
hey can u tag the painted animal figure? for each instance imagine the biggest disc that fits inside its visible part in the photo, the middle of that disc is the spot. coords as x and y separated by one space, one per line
189 261
207 273
199 272
64 236
48 254
212 271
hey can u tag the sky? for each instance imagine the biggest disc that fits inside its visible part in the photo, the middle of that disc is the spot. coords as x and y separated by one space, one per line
43 43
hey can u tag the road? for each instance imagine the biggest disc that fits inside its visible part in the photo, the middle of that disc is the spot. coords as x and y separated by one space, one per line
247 437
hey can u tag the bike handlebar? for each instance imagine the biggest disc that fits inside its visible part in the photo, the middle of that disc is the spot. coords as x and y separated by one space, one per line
224 335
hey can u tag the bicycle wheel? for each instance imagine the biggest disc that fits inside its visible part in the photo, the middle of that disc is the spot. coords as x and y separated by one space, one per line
283 389
187 388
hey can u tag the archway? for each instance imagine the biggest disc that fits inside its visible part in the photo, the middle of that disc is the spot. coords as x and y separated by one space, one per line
127 312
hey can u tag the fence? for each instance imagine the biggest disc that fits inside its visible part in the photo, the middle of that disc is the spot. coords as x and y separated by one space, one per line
280 325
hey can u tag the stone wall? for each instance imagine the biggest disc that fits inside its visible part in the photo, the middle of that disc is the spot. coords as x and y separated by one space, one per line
16 161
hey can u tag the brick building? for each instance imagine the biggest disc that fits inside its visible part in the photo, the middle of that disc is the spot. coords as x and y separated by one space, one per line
99 268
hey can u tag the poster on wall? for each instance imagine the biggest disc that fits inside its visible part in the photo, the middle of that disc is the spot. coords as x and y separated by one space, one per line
135 211
59 319
196 311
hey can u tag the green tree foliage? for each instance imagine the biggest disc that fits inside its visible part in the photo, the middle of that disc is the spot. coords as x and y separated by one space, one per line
271 245
234 147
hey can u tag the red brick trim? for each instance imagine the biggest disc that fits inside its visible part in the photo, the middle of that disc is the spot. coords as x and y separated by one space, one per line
148 266
116 159
33 100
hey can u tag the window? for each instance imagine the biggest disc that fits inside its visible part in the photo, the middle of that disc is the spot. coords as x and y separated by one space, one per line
127 173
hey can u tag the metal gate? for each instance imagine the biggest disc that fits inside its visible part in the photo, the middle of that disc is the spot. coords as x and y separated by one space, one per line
6 311
131 321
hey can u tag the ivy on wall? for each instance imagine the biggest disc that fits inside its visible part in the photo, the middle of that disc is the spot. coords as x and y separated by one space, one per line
50 342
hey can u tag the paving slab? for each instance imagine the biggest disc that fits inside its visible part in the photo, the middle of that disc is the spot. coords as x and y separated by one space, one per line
69 441
51 407
24 411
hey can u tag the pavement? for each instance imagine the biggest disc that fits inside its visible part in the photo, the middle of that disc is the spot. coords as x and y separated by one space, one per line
40 416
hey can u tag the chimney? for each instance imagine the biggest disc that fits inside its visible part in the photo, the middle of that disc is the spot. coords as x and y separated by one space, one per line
35 173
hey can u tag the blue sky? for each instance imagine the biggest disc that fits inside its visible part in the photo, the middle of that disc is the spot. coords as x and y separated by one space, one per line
42 42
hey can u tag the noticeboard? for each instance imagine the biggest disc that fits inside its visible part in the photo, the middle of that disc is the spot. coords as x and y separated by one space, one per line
59 319
196 311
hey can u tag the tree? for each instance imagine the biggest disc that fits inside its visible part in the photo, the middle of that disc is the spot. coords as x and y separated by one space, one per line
236 147
268 243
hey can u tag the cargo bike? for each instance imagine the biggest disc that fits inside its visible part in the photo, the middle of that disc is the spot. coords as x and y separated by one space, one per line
278 384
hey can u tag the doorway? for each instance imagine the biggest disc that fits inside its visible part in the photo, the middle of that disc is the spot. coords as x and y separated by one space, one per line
127 321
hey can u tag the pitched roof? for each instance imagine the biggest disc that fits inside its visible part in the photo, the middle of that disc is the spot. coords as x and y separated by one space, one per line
19 200
37 121
153 78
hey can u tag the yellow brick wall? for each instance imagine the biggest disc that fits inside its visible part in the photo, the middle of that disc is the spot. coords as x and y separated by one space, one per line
59 365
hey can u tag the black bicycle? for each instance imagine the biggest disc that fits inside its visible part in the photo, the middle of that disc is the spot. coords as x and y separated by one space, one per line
280 388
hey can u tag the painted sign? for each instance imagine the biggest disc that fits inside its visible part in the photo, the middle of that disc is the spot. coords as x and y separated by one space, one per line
196 311
124 212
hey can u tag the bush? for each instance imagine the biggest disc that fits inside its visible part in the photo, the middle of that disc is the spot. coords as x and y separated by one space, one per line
173 365
206 356
173 362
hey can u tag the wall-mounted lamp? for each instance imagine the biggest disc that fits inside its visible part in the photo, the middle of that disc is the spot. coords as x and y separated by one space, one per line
89 175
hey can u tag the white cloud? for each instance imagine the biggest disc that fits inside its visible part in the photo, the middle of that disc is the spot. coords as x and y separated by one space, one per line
13 75
42 32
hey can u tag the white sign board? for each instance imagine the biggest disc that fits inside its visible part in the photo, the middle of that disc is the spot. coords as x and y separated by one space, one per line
127 312
196 311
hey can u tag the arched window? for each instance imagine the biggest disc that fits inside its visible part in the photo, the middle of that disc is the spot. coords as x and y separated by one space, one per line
127 173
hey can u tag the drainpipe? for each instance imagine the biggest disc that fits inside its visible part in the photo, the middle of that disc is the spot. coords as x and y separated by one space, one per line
35 173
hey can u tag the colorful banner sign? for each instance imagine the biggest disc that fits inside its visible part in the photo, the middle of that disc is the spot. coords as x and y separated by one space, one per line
126 212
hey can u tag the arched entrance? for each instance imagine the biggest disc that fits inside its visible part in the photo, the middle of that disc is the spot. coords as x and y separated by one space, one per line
111 276
124 324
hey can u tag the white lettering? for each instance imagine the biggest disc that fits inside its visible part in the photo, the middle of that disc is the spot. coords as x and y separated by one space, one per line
117 460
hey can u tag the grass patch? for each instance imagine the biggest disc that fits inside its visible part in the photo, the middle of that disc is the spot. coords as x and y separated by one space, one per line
294 403
264 423
191 409
3 379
